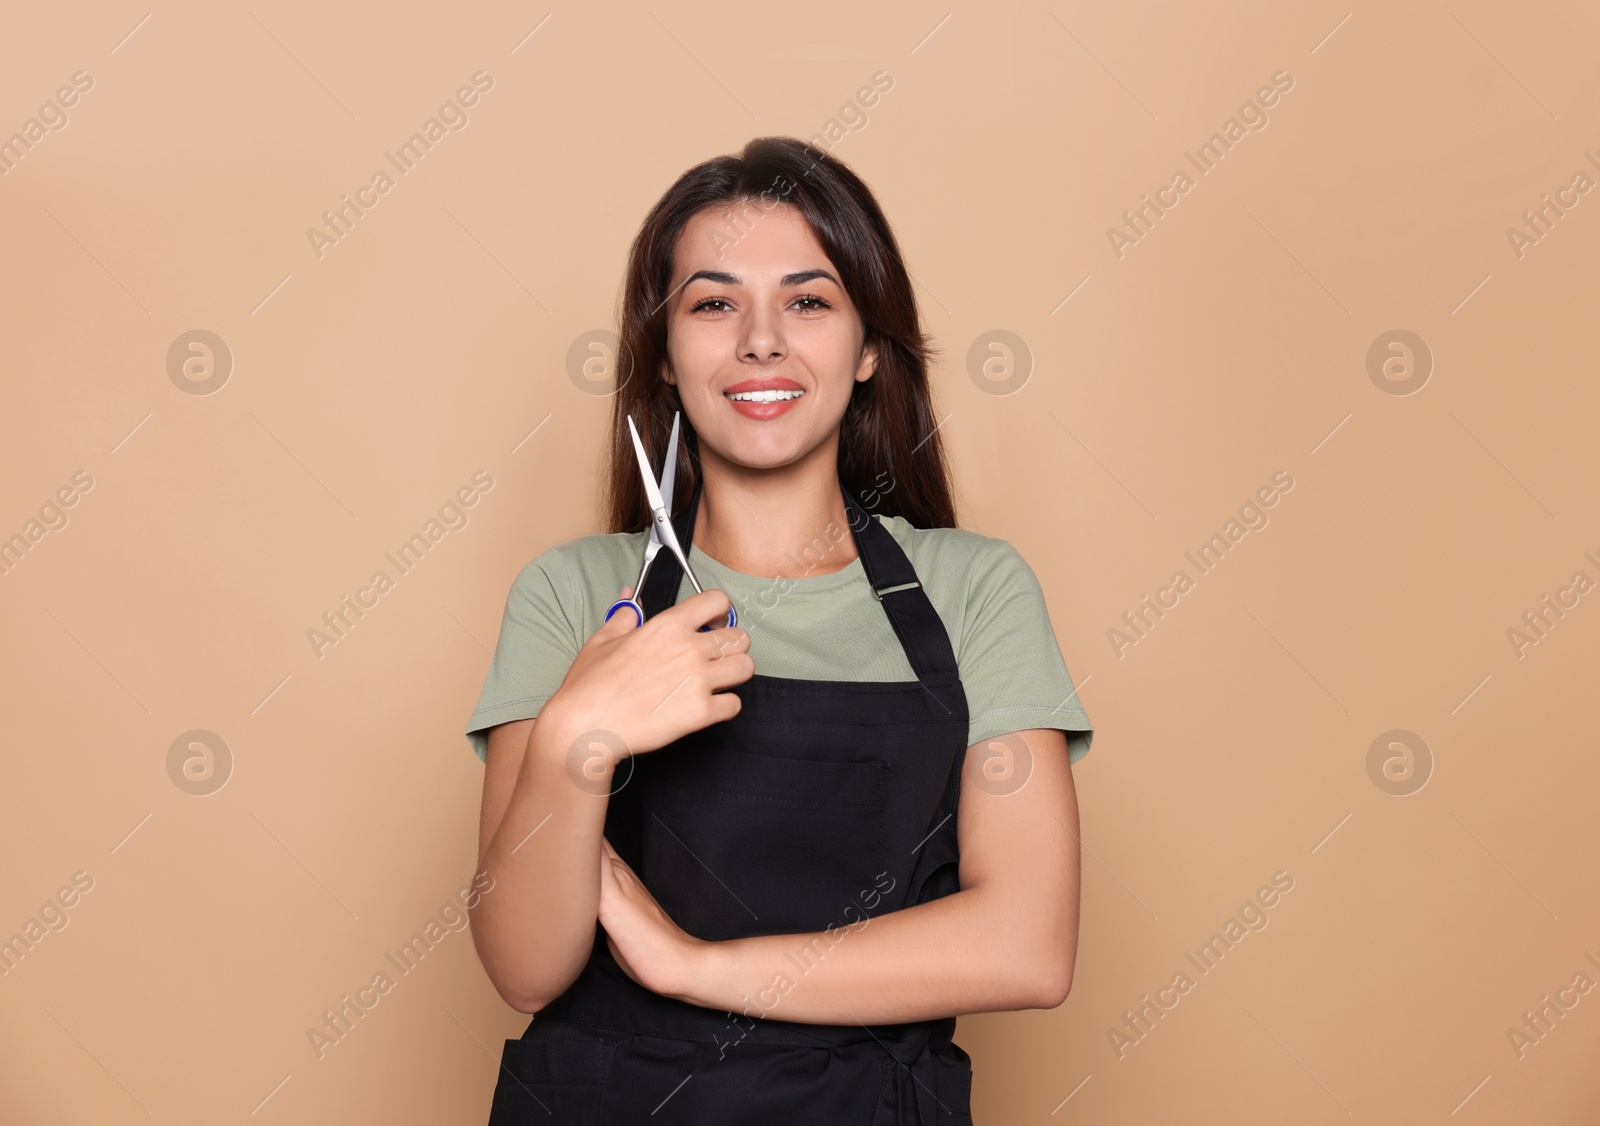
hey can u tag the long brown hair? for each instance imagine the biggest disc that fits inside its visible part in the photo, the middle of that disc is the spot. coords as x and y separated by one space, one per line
890 455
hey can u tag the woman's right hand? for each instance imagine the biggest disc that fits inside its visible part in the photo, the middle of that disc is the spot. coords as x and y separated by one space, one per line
651 684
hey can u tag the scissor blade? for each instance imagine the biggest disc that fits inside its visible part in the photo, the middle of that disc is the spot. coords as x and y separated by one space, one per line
651 491
661 530
669 472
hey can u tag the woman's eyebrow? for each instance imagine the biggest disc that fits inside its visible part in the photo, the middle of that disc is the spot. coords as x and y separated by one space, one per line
722 277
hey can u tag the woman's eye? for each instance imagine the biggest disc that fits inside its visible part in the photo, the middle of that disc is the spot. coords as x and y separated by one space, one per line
808 302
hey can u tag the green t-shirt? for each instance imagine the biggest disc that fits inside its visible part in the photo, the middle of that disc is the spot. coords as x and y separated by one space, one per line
810 626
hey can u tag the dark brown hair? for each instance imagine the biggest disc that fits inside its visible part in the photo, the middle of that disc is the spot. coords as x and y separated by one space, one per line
890 455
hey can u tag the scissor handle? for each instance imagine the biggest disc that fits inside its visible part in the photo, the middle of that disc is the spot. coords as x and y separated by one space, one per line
638 610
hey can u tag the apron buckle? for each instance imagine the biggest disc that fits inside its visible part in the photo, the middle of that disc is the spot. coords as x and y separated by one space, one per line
878 594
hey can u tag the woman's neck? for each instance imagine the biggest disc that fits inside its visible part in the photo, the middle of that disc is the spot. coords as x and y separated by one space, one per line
758 522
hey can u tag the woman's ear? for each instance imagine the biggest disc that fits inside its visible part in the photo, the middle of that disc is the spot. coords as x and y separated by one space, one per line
868 364
666 373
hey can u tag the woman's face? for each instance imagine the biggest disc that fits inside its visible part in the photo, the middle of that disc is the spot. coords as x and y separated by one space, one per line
762 312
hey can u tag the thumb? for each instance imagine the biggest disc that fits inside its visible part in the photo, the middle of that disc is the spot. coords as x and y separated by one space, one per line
625 618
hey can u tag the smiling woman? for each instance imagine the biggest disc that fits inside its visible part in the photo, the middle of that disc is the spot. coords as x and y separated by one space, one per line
677 818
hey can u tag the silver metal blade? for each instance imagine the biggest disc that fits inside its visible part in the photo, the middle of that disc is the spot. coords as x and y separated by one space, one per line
651 491
669 472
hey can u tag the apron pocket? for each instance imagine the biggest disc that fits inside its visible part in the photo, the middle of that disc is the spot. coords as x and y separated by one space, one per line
557 1082
741 844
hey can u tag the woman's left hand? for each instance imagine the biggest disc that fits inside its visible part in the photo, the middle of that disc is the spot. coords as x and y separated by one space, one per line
651 949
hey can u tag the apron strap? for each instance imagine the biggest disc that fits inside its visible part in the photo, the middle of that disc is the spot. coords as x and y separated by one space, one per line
890 574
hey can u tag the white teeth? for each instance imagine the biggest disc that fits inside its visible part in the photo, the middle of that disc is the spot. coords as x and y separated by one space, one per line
765 396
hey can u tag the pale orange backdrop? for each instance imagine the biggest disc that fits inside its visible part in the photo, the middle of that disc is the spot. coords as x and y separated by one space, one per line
1110 405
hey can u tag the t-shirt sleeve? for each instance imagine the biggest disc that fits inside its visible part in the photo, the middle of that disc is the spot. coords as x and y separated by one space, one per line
1010 663
538 642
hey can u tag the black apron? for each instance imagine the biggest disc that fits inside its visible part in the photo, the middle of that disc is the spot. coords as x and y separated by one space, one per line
821 805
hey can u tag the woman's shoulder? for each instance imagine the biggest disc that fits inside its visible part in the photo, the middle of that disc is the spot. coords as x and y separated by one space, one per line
959 561
946 548
564 570
597 547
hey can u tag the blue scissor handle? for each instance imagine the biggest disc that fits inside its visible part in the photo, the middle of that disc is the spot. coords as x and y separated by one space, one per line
733 619
637 609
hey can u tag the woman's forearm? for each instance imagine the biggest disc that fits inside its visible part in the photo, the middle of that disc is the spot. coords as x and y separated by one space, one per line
535 928
953 955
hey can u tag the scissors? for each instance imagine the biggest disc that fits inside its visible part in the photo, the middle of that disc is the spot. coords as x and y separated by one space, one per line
662 532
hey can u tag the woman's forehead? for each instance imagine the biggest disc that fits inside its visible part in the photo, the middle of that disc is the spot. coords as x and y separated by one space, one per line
750 242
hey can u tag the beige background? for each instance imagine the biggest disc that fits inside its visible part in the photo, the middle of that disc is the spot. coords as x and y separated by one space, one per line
1164 388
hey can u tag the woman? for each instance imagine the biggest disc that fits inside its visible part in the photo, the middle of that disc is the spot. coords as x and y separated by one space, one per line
752 873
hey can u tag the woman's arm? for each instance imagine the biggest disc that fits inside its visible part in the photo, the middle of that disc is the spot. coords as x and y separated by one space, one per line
534 928
1007 940
545 796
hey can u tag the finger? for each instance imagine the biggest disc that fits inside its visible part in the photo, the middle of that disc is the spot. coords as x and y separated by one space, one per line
612 859
728 639
725 705
708 607
735 668
619 866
